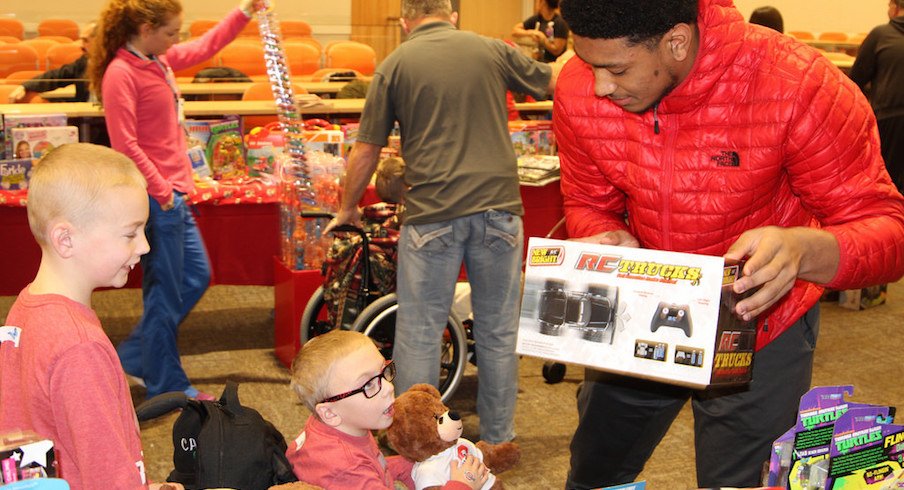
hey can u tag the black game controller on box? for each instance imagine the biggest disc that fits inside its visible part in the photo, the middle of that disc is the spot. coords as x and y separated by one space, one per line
671 315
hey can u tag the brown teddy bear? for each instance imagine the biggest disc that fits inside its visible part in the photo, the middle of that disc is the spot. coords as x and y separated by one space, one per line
425 431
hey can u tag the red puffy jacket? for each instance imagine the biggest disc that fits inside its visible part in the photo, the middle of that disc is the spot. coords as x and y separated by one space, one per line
763 131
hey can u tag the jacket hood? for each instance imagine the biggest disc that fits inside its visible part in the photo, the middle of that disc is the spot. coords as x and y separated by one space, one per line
898 23
714 55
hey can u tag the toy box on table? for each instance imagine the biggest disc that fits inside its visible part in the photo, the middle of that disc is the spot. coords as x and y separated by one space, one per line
209 138
14 174
651 314
265 144
532 137
25 455
225 151
36 142
11 121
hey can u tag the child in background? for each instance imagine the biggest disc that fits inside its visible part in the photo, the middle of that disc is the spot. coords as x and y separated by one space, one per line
390 180
347 385
131 67
59 374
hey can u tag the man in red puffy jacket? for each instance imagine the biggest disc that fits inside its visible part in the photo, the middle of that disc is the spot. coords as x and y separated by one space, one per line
681 127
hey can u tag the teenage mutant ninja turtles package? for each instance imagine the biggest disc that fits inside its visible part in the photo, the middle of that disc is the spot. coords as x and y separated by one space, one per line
838 444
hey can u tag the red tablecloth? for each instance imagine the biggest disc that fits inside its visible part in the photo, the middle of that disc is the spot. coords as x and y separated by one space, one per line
239 223
240 226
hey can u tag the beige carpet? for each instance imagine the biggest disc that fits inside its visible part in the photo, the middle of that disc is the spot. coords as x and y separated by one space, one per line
230 336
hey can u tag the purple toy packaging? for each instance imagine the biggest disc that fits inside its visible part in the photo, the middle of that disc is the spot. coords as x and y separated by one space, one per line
867 451
801 456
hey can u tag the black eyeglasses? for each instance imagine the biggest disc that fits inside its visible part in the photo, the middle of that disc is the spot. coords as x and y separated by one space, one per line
373 385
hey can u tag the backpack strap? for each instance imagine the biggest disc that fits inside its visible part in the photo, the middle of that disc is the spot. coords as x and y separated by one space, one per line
230 399
161 404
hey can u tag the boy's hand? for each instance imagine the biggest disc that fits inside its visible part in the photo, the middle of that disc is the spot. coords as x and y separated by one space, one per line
471 472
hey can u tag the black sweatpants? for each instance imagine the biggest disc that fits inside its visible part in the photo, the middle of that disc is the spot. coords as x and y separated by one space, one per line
891 134
621 419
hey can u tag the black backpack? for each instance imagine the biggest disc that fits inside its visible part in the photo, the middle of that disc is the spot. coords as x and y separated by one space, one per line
221 443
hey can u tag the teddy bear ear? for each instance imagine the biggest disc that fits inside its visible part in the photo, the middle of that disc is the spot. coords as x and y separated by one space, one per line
426 388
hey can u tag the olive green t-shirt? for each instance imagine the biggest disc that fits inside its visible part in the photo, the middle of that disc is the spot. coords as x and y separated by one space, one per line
446 88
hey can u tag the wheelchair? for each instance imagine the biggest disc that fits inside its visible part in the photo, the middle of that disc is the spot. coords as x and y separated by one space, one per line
362 309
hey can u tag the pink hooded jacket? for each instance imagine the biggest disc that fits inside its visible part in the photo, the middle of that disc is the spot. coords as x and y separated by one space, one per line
140 109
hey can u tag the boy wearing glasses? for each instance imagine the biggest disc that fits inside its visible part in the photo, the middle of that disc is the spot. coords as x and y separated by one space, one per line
347 385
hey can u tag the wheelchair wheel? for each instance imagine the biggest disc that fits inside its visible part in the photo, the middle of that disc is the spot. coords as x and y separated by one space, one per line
553 372
377 321
314 319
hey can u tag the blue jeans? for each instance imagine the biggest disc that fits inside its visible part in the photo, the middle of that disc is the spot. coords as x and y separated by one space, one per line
430 258
621 420
176 272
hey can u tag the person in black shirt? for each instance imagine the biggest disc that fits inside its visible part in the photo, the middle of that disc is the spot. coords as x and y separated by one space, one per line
547 29
68 74
768 16
879 72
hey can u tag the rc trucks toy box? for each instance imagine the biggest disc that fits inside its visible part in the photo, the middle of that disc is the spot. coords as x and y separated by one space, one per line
651 314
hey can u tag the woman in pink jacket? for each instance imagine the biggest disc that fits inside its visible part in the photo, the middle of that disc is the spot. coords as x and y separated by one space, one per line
131 71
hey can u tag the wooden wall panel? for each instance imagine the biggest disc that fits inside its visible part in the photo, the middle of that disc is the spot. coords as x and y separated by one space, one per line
376 22
493 19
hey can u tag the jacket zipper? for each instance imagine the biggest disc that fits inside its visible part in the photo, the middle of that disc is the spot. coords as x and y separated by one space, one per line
656 118
668 160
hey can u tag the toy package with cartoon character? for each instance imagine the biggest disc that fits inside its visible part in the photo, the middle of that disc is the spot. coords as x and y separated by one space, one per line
867 451
225 150
804 449
664 316
263 145
836 439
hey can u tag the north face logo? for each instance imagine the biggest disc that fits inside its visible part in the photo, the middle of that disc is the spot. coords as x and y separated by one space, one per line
727 158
